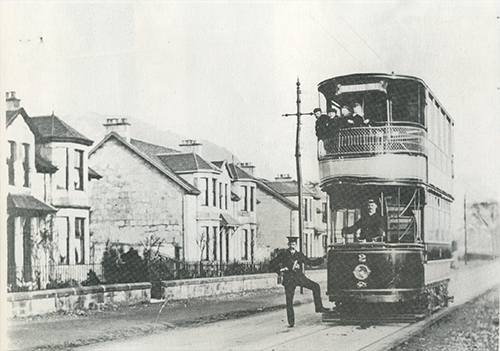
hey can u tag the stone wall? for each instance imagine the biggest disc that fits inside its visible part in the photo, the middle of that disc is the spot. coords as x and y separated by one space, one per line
45 301
138 201
191 288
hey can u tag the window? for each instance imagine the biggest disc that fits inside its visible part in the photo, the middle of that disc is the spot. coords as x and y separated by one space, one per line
311 210
252 189
11 161
61 160
221 196
62 228
79 240
245 198
252 244
214 246
225 196
324 214
305 211
206 240
245 244
214 192
204 191
26 165
79 170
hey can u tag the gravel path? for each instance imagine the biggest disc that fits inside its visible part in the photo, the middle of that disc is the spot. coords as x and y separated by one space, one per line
473 326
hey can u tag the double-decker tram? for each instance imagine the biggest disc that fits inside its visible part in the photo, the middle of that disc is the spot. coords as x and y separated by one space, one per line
386 160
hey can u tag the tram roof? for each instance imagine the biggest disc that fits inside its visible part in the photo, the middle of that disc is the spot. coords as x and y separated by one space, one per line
359 78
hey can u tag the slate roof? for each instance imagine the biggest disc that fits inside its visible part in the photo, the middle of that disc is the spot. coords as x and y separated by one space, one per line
152 150
153 161
52 128
11 115
27 203
43 165
262 185
288 188
93 174
187 162
237 173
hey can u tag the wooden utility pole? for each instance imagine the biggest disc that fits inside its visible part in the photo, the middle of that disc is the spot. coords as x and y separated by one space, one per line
465 229
299 170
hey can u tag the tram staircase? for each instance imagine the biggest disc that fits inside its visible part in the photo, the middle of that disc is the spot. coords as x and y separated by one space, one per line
400 227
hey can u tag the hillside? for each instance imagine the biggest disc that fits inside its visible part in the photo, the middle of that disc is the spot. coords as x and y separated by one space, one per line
91 126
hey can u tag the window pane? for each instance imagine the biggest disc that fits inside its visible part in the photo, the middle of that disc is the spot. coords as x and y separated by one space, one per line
78 176
26 165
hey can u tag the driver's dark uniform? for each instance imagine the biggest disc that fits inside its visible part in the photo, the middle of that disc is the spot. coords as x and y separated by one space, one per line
372 227
293 278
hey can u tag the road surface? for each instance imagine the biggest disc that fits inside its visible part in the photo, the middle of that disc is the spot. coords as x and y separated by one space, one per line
269 331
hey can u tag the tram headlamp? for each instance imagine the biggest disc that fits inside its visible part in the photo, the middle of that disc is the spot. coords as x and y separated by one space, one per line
361 272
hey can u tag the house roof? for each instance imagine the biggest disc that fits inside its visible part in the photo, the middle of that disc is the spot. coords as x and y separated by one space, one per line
27 204
262 184
237 173
289 188
93 174
228 221
52 128
152 150
160 166
11 115
43 165
187 162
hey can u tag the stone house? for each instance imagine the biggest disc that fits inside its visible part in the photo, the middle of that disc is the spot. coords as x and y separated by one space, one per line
277 219
191 203
48 202
315 234
139 196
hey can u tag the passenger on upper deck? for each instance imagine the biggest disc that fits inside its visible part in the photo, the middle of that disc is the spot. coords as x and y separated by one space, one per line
357 118
322 122
372 225
359 115
345 120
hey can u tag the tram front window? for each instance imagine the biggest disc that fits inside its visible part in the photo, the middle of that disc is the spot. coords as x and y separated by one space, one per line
370 227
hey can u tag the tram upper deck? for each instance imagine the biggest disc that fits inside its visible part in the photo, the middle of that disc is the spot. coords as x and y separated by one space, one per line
408 138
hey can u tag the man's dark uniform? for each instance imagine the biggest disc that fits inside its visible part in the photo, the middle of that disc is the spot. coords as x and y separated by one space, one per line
371 227
322 127
294 277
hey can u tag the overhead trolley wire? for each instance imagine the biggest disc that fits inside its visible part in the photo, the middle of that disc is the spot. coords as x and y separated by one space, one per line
369 47
342 46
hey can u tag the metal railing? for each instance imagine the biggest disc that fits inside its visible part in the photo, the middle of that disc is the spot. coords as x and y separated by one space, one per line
374 140
184 270
39 277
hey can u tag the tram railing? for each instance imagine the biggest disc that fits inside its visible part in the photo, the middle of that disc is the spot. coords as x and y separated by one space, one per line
374 140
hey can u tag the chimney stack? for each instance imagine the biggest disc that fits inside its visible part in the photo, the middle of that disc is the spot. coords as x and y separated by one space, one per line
120 126
283 177
247 167
12 103
191 146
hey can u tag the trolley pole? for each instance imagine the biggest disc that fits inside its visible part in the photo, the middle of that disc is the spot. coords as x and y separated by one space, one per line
299 170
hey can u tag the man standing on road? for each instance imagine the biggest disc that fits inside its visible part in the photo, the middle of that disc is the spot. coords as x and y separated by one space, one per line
288 263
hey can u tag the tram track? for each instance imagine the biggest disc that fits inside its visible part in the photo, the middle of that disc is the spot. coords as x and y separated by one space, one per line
407 332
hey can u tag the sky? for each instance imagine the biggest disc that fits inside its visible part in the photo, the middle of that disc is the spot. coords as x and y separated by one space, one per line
226 71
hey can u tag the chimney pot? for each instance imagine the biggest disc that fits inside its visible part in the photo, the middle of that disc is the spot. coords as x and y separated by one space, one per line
191 145
119 126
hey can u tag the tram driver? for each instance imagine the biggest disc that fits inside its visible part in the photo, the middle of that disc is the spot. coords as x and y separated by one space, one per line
371 225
